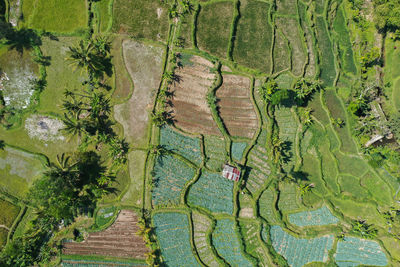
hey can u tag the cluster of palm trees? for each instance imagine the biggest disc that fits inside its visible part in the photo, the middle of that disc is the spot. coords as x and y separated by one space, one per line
180 8
87 111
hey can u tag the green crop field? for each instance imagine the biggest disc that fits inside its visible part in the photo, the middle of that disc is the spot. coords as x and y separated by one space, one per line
254 36
57 16
199 133
213 27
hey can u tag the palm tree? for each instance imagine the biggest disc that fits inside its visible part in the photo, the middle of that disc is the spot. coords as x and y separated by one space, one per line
73 126
85 56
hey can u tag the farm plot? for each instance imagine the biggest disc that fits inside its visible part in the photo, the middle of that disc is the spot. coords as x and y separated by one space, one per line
215 152
144 64
3 237
119 240
353 251
141 18
351 186
345 48
18 170
254 36
287 7
213 192
201 227
281 53
287 133
137 161
64 16
9 212
320 6
189 105
246 206
235 106
291 29
213 27
337 110
103 11
328 166
266 205
17 75
311 169
321 216
299 252
377 187
188 147
173 234
312 55
100 263
288 197
238 149
259 169
253 245
350 164
327 66
170 177
105 215
228 244
186 31
60 75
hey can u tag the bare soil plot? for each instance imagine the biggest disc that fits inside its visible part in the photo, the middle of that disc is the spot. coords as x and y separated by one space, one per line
235 106
144 64
189 105
119 240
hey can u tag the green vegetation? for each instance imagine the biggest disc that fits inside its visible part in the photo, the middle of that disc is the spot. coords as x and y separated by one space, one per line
142 19
253 44
318 171
56 16
213 27
9 213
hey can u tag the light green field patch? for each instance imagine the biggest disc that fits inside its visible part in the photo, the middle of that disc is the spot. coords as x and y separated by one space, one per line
215 152
144 64
60 75
377 187
252 242
59 15
18 169
259 169
134 194
288 197
350 185
266 204
396 94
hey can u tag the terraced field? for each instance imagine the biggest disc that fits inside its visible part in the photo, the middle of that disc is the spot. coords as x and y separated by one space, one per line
235 106
189 89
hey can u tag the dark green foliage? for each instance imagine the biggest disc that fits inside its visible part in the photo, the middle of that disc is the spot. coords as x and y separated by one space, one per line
387 14
280 96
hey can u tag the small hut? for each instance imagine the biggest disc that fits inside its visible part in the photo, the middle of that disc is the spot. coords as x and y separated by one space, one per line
231 173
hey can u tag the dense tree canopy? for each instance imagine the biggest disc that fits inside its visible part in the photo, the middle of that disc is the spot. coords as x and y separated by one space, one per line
387 14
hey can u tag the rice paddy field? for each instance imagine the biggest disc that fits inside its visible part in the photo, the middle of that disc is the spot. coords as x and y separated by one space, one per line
191 91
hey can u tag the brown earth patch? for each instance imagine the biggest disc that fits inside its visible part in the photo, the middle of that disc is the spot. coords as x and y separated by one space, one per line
189 105
144 65
235 106
119 240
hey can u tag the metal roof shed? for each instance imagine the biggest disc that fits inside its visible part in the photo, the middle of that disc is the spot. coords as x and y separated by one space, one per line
231 173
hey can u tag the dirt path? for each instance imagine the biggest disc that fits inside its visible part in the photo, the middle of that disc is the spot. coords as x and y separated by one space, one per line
5 227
